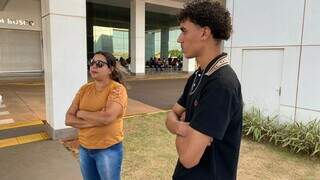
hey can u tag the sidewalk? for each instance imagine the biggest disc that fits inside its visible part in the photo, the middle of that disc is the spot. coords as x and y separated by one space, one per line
26 102
24 96
47 160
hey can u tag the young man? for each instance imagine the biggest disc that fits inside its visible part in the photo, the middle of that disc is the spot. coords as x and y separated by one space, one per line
207 119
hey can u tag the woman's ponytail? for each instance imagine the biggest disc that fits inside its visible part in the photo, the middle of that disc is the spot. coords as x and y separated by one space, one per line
117 76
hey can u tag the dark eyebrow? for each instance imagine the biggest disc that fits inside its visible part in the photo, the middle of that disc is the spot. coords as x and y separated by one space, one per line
97 60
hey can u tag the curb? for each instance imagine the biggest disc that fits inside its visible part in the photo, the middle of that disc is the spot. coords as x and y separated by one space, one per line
23 139
21 124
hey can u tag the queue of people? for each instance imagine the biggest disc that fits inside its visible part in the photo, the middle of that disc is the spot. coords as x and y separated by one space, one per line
165 63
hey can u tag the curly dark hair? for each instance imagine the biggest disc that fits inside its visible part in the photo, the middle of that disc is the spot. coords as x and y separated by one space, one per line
210 14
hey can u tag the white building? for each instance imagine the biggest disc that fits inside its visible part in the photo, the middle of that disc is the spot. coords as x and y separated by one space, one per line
275 50
274 47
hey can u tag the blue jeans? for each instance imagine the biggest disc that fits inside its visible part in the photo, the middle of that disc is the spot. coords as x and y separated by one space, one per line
101 164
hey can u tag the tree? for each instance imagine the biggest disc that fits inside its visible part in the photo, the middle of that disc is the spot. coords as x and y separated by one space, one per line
175 53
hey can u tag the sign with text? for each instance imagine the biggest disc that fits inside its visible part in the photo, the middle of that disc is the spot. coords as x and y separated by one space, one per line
17 22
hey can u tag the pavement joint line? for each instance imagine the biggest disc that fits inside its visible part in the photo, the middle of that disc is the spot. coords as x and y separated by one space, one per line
27 84
25 103
4 113
20 124
23 139
6 121
181 76
154 78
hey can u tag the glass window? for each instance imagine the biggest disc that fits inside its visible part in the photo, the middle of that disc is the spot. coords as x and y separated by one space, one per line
113 40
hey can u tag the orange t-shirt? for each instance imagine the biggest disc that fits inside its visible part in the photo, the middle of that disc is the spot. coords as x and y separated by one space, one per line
90 99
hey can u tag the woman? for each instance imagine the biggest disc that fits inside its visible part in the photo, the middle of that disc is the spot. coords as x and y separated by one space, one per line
97 111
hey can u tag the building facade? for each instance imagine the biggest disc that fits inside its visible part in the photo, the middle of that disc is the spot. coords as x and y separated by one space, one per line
275 51
274 47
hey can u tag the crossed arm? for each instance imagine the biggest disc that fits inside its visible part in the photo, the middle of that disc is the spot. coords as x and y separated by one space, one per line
86 119
190 143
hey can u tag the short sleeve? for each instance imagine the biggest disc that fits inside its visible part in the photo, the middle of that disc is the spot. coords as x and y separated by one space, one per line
77 97
213 112
182 101
119 95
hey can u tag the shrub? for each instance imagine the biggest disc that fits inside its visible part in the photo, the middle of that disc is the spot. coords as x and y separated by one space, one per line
298 137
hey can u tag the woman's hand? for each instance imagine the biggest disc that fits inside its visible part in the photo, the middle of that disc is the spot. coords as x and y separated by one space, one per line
79 114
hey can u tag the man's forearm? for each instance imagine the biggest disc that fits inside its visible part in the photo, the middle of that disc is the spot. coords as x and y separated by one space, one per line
181 145
172 122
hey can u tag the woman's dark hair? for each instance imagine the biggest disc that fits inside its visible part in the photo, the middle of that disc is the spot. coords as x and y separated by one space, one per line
210 14
116 75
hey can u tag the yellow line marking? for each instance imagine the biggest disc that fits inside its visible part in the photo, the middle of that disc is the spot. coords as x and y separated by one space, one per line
45 136
21 124
8 142
6 121
30 138
23 139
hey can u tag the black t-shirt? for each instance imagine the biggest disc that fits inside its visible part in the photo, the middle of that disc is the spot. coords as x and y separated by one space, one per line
214 107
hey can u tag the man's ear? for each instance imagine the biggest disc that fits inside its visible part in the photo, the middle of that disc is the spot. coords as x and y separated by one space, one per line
206 33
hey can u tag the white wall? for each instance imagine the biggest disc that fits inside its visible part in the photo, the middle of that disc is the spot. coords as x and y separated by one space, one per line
290 25
308 93
21 10
311 35
267 22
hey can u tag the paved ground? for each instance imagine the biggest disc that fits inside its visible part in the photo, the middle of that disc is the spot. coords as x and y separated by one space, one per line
23 102
47 160
26 101
161 94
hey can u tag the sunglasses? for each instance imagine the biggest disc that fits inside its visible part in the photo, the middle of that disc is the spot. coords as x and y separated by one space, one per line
98 63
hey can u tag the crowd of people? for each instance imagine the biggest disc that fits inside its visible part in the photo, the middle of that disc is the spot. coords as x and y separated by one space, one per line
124 62
164 63
154 63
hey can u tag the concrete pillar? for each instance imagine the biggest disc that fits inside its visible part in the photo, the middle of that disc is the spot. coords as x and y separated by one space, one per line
137 36
150 45
164 42
189 64
65 54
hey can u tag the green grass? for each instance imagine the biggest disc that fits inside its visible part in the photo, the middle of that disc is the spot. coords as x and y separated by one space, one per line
150 154
149 149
